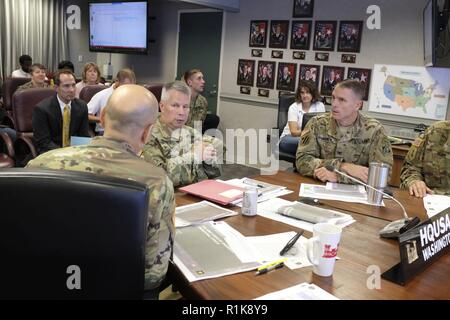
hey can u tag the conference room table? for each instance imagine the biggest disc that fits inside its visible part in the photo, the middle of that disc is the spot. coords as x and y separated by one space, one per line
361 251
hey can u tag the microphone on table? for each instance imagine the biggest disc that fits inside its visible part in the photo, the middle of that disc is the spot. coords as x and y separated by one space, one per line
395 228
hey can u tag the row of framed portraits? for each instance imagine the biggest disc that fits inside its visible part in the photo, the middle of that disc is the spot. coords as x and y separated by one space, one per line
286 75
323 38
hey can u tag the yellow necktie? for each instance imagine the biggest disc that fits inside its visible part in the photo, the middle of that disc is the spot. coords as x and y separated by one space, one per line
66 127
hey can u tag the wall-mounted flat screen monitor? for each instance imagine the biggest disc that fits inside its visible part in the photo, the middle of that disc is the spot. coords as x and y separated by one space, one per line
118 27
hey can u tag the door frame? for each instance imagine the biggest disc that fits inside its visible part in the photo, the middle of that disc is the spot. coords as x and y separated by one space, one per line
222 41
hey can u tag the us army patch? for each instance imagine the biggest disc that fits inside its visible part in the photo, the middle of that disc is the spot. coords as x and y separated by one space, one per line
305 137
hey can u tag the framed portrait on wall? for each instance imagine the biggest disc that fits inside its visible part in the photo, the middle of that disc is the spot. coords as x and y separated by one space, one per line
350 33
363 76
310 72
303 8
324 35
246 72
258 33
265 74
300 35
279 30
286 76
331 77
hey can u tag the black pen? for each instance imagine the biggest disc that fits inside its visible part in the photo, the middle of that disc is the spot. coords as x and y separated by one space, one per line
291 243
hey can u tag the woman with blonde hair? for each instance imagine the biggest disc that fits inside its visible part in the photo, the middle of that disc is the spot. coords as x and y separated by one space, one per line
91 76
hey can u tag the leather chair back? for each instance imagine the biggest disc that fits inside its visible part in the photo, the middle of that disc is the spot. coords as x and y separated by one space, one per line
23 103
74 228
284 102
10 86
88 92
308 116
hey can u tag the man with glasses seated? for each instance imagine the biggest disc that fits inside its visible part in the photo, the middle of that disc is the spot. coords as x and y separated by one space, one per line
61 116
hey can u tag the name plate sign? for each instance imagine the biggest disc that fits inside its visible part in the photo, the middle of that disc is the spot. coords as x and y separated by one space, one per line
420 247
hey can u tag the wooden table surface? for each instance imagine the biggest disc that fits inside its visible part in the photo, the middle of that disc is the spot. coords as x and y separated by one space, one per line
359 249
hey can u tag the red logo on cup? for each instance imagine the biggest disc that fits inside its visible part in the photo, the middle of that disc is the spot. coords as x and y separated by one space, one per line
329 252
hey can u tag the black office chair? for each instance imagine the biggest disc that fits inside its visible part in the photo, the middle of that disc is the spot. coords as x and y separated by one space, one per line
309 116
59 221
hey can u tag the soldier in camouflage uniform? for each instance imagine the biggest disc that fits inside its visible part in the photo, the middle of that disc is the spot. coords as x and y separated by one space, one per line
37 78
186 156
344 139
128 118
427 164
199 105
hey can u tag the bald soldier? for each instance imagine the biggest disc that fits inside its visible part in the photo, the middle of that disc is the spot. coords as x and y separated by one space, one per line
344 138
128 117
186 156
427 164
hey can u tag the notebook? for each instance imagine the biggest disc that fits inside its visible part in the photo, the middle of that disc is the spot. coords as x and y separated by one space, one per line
214 191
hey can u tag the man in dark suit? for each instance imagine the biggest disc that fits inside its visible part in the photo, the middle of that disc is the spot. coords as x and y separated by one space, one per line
48 126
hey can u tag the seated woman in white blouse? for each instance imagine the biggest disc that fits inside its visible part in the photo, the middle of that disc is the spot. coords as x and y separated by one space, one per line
91 76
307 100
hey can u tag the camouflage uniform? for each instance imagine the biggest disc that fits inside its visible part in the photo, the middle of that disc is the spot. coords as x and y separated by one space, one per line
198 111
428 159
172 150
29 85
114 158
322 144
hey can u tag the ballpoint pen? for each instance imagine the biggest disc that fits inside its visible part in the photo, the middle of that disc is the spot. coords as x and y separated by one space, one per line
253 184
271 266
291 243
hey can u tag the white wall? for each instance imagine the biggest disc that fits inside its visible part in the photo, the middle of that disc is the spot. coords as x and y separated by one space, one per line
399 41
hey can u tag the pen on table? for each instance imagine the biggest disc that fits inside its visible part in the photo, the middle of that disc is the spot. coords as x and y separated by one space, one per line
291 243
254 184
271 266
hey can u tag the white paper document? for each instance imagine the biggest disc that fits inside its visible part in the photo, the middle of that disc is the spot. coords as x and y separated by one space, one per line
211 250
303 291
269 209
265 190
200 212
341 192
435 203
269 247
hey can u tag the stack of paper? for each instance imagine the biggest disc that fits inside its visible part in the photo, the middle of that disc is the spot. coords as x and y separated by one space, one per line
435 203
270 208
212 249
313 214
265 190
200 212
335 191
269 247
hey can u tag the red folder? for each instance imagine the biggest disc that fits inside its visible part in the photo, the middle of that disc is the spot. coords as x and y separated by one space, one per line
215 191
